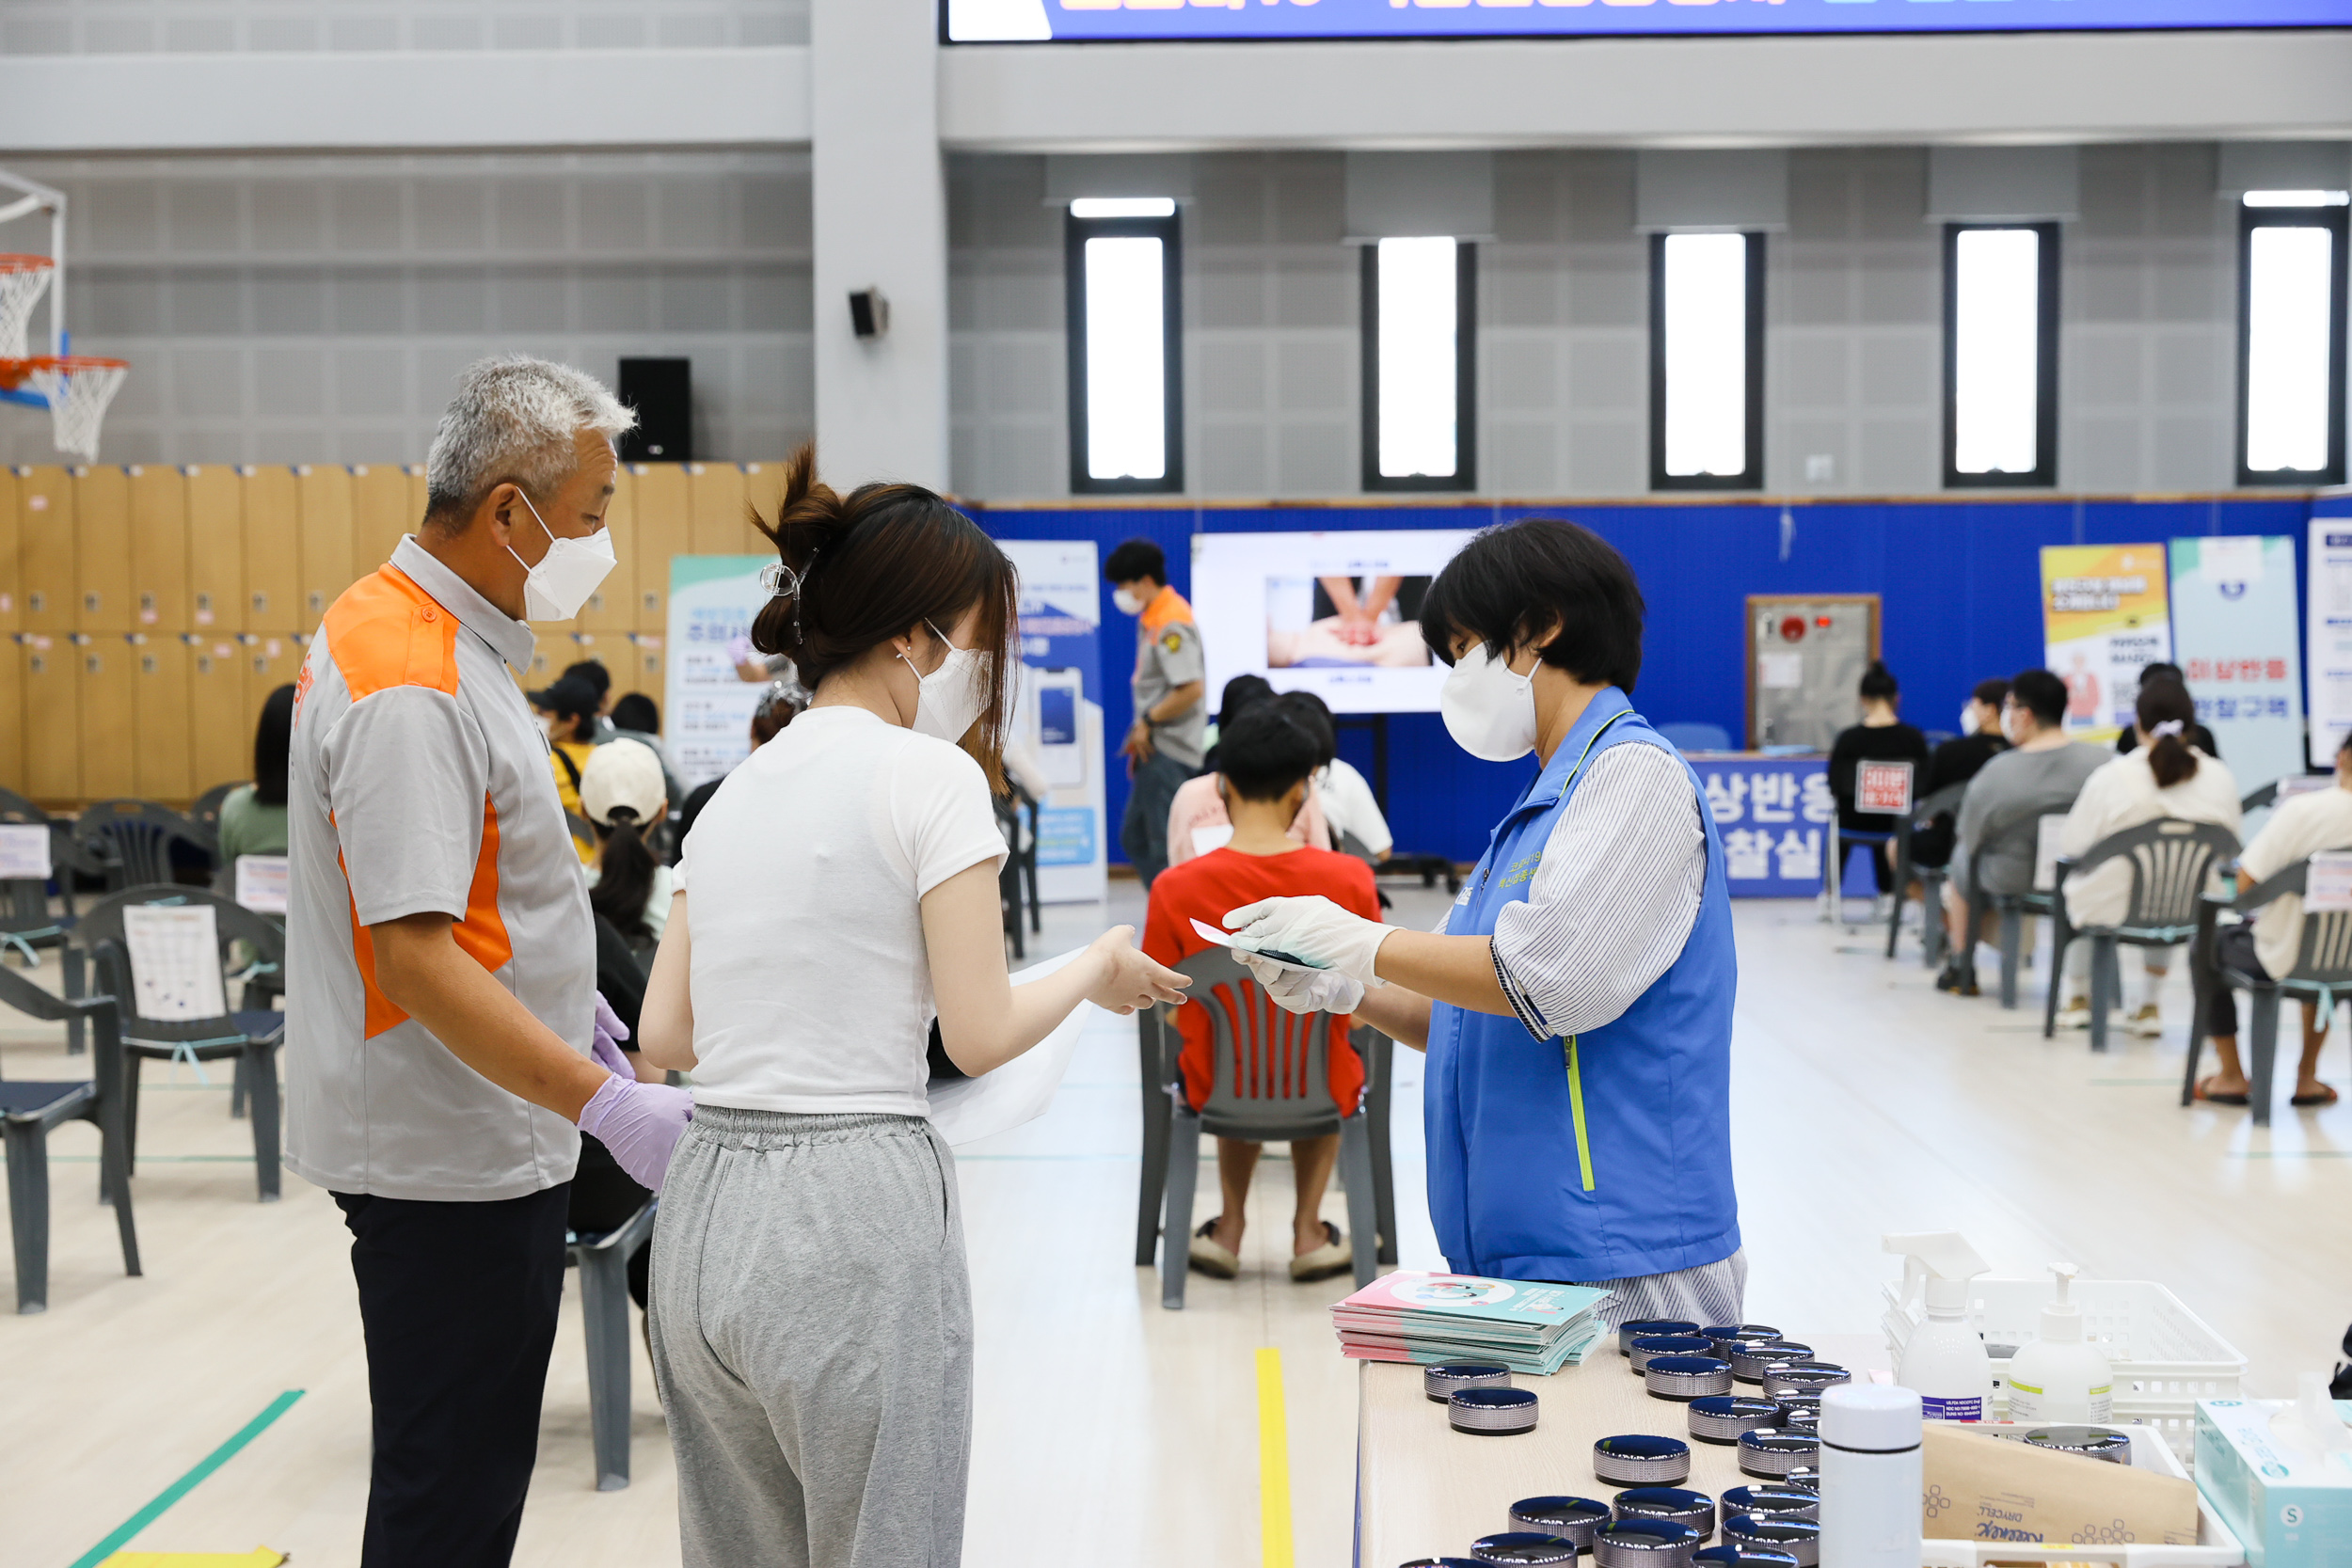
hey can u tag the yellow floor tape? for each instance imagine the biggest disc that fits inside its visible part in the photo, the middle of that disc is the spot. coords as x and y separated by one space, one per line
1273 1463
260 1557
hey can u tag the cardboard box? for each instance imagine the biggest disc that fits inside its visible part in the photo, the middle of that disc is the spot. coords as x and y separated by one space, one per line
2289 1500
1982 1487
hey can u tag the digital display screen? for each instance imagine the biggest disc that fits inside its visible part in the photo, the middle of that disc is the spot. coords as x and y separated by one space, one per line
1229 21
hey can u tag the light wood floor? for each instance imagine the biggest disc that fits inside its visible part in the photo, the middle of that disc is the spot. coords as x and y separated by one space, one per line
1109 1430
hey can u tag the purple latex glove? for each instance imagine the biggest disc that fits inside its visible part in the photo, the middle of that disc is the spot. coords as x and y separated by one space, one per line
639 1123
609 1032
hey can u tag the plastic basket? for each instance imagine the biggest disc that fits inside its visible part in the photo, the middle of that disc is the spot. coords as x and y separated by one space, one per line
2217 1545
2164 1356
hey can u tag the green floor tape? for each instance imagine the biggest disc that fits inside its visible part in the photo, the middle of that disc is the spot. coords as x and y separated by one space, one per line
186 1483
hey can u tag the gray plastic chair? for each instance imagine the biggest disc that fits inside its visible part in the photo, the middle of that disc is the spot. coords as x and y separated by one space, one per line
1284 1092
603 1264
2322 975
2023 820
1930 877
26 925
205 815
27 1111
2172 865
132 840
1695 738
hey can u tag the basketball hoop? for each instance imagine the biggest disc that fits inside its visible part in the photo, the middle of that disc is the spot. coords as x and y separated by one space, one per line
23 279
77 388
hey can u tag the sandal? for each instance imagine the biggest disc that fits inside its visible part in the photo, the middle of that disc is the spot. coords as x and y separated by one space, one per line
2204 1092
1210 1257
1334 1257
2327 1096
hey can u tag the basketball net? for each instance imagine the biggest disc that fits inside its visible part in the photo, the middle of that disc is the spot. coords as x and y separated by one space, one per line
78 389
23 280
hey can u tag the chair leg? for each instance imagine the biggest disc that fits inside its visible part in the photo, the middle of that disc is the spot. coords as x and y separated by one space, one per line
2265 1045
1363 1204
1151 1179
1932 942
2061 937
2198 993
113 1174
2103 980
260 1072
2013 941
75 967
131 1061
29 1211
236 1087
1376 1098
604 1315
1183 1174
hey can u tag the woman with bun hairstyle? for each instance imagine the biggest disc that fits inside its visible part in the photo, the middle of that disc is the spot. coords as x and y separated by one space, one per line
1882 737
812 1317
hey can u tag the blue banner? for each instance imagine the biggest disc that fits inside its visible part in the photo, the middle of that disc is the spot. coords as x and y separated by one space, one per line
1774 814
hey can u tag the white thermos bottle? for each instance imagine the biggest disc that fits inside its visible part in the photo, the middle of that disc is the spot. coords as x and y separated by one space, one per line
1870 1480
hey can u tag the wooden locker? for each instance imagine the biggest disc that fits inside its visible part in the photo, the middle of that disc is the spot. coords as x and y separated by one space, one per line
11 582
660 503
418 494
323 497
221 737
11 713
644 672
216 592
53 684
163 760
609 650
555 650
102 551
108 714
273 547
159 547
379 514
272 659
613 605
763 497
715 509
44 547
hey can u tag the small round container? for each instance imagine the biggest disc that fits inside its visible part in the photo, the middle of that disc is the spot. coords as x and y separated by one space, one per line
1732 1557
1628 1332
1521 1545
1804 1377
1576 1519
1790 1405
1442 1380
1723 1334
1442 1562
1804 1477
2091 1442
1771 1502
1722 1418
1646 1544
1686 1377
1694 1509
1650 1345
1802 1417
1492 1412
1800 1538
1749 1357
1772 1455
1639 1459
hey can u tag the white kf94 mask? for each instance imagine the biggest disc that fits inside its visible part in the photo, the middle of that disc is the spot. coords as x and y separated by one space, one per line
556 588
1490 712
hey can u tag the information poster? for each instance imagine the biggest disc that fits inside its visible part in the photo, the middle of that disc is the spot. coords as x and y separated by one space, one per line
2234 628
2104 615
708 706
1774 814
2327 635
1057 739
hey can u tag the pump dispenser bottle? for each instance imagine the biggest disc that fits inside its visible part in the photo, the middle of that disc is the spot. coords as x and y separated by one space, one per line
1944 1359
2059 1377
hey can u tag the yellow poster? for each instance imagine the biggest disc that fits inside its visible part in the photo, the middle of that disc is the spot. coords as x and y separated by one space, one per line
2104 613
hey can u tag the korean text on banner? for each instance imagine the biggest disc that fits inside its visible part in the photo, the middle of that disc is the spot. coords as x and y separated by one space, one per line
2233 626
2104 615
708 713
2327 635
1055 747
1773 813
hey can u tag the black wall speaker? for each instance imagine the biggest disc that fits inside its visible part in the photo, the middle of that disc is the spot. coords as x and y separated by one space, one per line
662 393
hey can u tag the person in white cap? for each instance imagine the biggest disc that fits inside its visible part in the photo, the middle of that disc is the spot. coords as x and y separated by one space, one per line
622 795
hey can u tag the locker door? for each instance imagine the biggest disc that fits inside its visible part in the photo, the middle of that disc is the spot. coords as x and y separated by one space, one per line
555 650
53 754
161 761
273 548
159 548
418 494
11 714
109 714
763 495
323 496
220 741
11 582
613 605
272 659
661 506
215 589
379 514
610 650
45 549
102 551
645 672
716 524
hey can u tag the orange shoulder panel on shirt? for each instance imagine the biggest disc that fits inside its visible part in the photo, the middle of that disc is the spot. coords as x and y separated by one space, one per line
386 631
1167 608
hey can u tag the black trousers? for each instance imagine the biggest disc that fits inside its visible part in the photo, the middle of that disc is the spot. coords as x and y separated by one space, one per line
458 1302
604 1196
2232 945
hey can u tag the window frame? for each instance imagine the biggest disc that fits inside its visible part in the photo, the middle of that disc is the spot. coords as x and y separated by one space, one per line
2334 218
2044 474
1465 475
1751 477
1076 233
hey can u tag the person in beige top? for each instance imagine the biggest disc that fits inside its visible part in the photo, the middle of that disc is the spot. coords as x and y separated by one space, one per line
2163 776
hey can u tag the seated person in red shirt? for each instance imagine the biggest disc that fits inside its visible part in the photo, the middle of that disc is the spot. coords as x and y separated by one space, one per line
1265 759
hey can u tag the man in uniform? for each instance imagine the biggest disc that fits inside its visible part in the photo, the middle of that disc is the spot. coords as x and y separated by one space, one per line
1163 747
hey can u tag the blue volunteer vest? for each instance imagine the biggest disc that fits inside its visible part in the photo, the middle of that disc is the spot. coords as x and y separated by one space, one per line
1601 1157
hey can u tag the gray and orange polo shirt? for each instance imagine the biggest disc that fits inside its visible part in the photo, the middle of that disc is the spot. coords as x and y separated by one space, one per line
421 783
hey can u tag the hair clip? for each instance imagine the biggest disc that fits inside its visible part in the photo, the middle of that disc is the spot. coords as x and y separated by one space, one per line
779 580
2170 726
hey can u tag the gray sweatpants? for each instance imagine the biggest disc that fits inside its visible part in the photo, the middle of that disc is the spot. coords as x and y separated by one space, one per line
812 1341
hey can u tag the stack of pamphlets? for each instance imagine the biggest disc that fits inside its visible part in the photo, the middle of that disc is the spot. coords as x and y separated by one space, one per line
1525 1325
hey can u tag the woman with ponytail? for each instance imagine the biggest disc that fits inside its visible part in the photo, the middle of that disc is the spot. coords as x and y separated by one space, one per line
812 1316
2165 775
625 798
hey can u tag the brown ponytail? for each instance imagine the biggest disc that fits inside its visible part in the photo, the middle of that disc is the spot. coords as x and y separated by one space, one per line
625 870
2166 702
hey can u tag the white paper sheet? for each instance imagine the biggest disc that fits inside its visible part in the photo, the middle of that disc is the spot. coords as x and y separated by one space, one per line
262 883
1216 835
1225 939
966 1110
2327 887
23 852
1780 672
2046 852
175 962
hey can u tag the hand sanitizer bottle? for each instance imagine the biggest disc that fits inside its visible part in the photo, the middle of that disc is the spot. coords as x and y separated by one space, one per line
2058 1377
1942 1359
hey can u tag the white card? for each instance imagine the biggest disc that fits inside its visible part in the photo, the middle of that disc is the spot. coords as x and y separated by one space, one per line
1225 939
1780 672
2327 890
1216 835
175 962
262 883
23 852
2045 853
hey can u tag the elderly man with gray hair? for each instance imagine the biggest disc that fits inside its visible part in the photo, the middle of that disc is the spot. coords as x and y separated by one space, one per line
445 1042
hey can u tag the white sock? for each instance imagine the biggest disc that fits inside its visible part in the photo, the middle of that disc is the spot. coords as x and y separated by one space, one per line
2151 985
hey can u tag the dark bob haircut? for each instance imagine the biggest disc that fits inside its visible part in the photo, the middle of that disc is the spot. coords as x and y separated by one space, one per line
1136 558
2039 693
1267 753
1520 583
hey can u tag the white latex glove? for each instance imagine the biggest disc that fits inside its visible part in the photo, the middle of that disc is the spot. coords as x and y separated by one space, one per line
1315 931
1305 991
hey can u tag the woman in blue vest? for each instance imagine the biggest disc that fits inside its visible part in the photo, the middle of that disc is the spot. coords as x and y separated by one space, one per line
1576 1000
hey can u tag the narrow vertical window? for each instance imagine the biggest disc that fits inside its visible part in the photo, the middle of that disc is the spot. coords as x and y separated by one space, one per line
1420 336
1707 362
2000 355
1126 410
2290 337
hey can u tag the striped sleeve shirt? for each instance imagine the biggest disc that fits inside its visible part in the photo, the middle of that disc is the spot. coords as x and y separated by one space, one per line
1612 900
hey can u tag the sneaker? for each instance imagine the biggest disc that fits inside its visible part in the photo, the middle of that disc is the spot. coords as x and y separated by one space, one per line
2148 1023
1334 1257
1210 1257
2076 1014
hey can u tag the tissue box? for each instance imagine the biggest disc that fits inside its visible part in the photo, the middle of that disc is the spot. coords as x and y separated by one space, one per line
2288 1500
1981 1487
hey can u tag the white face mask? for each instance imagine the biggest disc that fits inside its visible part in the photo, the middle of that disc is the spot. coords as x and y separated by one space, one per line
1490 712
1128 604
556 588
1967 719
948 699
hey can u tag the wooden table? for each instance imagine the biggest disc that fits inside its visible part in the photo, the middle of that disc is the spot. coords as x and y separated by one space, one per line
1424 1490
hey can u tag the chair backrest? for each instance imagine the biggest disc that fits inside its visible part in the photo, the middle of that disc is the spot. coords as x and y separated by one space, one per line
132 840
24 901
205 814
2325 954
1928 807
1695 738
101 930
1272 1075
2267 795
2172 862
102 1012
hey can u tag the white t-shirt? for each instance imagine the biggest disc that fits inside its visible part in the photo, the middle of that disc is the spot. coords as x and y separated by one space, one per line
1350 807
806 874
2124 794
2300 827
